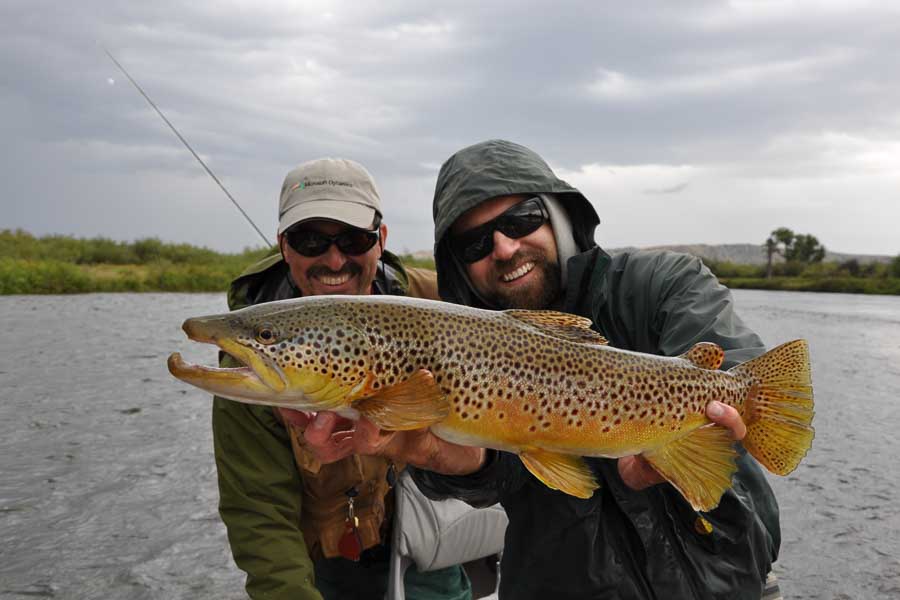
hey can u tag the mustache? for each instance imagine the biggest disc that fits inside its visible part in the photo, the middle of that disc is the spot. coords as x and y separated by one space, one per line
349 268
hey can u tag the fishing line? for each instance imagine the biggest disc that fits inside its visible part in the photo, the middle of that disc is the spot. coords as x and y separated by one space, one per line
188 146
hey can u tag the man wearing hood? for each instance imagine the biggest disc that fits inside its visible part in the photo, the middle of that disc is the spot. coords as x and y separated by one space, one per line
510 234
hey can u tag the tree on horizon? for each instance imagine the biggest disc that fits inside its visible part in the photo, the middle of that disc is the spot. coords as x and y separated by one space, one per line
794 247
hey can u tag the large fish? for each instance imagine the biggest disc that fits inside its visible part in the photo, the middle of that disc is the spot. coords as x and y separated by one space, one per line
541 384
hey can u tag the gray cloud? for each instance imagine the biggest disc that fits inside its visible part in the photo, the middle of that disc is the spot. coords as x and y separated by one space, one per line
674 189
765 100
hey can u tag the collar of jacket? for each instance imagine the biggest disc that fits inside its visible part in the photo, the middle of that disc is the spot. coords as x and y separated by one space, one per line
587 288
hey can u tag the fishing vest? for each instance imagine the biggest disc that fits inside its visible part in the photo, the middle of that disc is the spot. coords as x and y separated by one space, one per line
324 506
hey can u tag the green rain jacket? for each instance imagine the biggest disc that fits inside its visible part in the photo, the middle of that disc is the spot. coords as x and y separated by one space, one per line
620 543
259 482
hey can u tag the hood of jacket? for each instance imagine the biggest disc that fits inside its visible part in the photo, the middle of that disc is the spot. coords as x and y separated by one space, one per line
484 171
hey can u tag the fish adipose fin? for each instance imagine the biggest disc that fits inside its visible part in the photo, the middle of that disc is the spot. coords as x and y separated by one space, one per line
563 472
705 355
699 465
779 409
415 403
561 325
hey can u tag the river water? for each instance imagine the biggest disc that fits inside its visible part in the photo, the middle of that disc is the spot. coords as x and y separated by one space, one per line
108 483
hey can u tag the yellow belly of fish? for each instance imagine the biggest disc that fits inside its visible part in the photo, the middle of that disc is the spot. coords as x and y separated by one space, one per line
507 427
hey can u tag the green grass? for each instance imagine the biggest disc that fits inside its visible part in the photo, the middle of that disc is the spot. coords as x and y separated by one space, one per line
423 263
55 277
66 265
844 285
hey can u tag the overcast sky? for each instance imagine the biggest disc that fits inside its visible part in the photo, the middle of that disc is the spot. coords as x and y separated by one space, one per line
683 122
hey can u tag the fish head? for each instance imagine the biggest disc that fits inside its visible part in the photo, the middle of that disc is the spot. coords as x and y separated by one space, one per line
305 353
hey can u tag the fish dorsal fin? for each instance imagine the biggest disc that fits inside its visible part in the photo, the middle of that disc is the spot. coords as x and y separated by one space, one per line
564 472
559 324
705 355
415 403
699 465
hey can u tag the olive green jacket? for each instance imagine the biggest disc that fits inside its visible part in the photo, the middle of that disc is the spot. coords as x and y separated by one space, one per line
262 477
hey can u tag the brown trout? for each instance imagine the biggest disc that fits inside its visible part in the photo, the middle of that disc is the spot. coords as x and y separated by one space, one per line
540 384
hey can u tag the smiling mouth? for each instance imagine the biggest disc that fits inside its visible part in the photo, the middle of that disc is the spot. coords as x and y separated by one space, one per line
335 279
518 273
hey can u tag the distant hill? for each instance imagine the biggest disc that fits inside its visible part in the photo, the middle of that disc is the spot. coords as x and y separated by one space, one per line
748 254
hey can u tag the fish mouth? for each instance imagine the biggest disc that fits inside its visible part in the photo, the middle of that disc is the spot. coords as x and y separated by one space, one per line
257 378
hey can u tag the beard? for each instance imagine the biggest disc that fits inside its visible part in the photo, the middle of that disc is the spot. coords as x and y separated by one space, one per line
539 293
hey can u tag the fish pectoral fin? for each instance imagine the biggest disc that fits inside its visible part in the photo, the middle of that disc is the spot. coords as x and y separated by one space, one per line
564 472
558 324
705 355
699 465
415 403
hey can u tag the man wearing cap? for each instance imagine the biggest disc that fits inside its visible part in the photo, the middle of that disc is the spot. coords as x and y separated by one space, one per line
306 518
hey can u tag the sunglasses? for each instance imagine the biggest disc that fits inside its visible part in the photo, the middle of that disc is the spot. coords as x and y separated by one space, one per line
311 243
518 221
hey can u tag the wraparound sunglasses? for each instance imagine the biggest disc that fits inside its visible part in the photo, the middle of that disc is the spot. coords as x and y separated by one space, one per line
516 222
312 243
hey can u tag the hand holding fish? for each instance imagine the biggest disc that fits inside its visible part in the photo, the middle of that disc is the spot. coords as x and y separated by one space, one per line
637 473
328 435
419 447
332 437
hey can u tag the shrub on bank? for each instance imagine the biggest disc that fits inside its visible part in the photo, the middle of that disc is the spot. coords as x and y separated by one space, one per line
55 277
844 285
422 263
19 244
41 277
730 269
189 278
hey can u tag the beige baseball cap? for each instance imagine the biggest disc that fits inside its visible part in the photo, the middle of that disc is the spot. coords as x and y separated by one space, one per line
329 188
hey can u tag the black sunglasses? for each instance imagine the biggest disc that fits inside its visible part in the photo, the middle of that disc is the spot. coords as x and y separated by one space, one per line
352 242
516 222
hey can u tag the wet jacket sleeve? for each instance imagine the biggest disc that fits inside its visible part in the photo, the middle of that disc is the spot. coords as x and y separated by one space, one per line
692 306
259 501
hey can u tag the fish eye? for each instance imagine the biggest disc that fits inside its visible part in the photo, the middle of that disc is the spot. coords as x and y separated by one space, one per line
266 334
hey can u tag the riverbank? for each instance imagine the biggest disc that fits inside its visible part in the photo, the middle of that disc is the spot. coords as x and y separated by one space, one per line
842 285
57 264
56 277
18 276
66 265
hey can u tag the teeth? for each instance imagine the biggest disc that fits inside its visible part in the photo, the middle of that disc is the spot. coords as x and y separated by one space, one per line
520 272
331 280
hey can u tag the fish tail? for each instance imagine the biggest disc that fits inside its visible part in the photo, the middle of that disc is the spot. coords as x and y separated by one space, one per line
779 408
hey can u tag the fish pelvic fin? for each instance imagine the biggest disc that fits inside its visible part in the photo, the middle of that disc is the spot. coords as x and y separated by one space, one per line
779 409
699 465
705 355
564 472
415 403
558 324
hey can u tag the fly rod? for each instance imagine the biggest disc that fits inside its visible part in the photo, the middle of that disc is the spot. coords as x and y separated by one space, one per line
186 145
